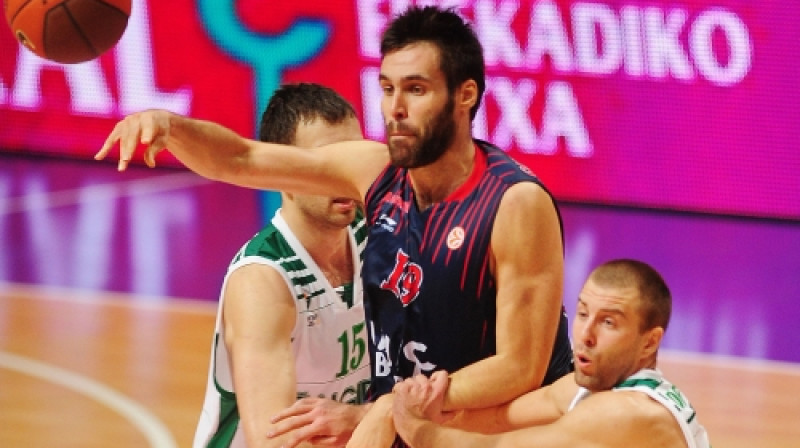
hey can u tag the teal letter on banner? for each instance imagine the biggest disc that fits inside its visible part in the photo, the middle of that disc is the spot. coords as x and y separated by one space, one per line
268 54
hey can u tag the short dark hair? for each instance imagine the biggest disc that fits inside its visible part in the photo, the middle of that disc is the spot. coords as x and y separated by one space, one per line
656 300
292 104
460 51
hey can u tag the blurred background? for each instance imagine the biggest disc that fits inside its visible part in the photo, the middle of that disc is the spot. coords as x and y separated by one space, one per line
667 131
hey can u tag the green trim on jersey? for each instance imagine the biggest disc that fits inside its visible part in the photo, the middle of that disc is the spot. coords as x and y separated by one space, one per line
228 414
651 383
269 243
666 390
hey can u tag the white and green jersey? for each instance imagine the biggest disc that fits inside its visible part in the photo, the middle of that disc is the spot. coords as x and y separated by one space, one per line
329 340
653 383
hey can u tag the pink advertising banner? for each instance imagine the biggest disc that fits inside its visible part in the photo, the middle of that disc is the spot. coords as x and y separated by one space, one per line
687 106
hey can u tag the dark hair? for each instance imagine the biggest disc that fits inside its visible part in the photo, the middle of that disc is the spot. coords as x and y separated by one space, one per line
460 51
654 295
306 102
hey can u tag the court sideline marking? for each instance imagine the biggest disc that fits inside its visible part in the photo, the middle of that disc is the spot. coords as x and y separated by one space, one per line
150 426
104 191
731 362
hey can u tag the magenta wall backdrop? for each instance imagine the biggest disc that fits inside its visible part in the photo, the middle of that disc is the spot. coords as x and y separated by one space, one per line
675 105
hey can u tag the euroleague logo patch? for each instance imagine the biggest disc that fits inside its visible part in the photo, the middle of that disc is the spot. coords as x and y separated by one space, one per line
455 238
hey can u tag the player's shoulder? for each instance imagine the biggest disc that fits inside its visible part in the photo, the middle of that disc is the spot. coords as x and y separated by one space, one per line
500 162
269 242
633 416
526 201
269 247
635 403
563 390
530 191
523 186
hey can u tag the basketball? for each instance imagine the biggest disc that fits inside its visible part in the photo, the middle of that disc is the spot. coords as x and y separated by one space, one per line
68 31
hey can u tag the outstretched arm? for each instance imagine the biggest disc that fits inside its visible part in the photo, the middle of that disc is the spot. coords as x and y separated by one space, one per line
344 169
538 407
608 419
528 265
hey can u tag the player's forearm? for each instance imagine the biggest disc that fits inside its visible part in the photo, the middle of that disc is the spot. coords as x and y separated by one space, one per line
217 153
492 381
485 421
256 407
207 148
418 433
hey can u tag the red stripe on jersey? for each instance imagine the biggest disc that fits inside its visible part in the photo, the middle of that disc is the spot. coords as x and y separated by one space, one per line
461 193
478 168
478 213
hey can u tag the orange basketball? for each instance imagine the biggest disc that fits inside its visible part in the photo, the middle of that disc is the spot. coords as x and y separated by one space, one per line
68 31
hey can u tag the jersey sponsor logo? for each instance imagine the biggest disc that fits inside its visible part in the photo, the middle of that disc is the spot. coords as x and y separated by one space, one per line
455 238
405 279
352 394
386 222
411 350
383 362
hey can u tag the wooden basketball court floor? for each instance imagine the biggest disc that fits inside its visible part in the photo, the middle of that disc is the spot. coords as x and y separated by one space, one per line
83 367
88 369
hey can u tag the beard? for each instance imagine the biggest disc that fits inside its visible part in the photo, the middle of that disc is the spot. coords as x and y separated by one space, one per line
608 370
437 135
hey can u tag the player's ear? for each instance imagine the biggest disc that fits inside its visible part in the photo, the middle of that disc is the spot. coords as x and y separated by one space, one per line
467 94
652 341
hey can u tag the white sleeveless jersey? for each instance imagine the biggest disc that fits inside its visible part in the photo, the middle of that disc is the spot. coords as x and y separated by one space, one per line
329 340
653 383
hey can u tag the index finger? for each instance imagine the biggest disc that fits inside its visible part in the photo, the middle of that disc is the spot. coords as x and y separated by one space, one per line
109 143
440 380
402 387
288 424
300 435
296 409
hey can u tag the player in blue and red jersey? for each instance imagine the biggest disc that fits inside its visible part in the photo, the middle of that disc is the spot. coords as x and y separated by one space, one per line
432 291
463 268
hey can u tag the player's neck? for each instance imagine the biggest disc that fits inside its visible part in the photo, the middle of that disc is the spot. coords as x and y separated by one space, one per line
435 182
334 258
329 247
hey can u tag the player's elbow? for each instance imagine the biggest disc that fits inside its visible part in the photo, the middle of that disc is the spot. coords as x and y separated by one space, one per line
527 376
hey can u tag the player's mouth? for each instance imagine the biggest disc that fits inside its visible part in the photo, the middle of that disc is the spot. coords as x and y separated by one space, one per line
399 130
344 202
401 135
582 361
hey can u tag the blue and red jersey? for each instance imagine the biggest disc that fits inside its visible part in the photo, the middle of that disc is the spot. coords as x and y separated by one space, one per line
429 293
